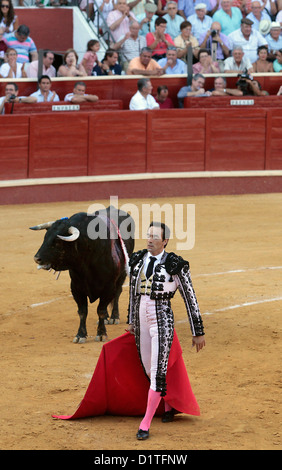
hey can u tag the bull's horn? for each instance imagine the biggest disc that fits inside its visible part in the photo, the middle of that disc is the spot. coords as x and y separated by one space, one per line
74 235
42 226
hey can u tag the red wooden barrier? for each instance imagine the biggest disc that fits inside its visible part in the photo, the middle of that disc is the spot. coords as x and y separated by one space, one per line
25 108
176 140
14 142
233 102
124 87
235 140
117 142
274 140
58 145
124 142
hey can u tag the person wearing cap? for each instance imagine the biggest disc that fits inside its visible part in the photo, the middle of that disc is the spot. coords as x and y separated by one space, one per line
147 19
138 6
200 21
186 8
274 40
257 14
173 19
228 16
249 39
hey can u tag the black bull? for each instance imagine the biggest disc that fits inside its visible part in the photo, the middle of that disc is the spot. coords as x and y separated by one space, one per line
91 249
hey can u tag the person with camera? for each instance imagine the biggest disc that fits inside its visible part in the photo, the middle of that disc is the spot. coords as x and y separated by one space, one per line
215 37
248 86
11 96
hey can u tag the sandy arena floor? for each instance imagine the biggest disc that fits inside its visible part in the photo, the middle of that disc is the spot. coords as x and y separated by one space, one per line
236 267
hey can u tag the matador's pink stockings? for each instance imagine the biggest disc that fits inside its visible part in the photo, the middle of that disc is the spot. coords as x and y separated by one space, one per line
154 399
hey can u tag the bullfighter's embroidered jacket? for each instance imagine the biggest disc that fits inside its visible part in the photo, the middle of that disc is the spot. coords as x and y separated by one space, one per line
170 274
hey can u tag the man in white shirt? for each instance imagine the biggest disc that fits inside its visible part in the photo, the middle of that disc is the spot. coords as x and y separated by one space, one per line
248 38
143 98
44 93
79 96
238 62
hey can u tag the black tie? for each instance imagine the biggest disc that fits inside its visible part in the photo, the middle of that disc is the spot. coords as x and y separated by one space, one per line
150 267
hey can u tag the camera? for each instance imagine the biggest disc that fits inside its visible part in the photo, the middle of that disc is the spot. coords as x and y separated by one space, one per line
12 97
244 76
213 33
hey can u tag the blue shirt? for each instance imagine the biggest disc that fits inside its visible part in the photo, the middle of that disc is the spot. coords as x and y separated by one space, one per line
180 66
228 25
276 66
173 25
199 27
272 44
264 16
40 97
188 6
147 27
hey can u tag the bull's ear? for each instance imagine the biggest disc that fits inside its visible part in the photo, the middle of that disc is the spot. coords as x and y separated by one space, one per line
46 225
71 238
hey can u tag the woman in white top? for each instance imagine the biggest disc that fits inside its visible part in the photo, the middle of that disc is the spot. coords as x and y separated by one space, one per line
8 19
12 68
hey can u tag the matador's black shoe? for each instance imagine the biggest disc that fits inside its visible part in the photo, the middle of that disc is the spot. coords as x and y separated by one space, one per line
142 435
168 416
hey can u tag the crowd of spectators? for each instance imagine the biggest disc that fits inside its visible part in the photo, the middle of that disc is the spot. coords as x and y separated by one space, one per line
153 38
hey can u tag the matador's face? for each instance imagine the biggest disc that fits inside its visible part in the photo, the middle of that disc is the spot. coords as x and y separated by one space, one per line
155 242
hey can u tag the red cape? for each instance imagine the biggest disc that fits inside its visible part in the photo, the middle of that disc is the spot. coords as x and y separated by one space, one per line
119 385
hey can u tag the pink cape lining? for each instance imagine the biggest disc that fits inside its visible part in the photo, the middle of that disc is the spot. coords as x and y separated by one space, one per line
119 385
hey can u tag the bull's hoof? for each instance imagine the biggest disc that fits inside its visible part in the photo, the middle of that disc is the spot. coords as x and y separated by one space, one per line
78 339
114 321
101 338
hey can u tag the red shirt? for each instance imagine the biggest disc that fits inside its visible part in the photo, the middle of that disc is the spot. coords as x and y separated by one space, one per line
161 47
166 104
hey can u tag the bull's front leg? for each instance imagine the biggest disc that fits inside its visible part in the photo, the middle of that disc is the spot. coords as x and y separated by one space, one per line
115 310
82 311
102 315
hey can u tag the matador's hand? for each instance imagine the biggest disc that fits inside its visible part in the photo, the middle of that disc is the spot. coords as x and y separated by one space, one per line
199 342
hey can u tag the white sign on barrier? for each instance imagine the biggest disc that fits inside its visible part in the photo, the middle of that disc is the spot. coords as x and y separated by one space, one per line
242 102
65 107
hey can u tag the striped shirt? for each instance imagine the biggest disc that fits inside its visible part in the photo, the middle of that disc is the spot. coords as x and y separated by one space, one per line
23 48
